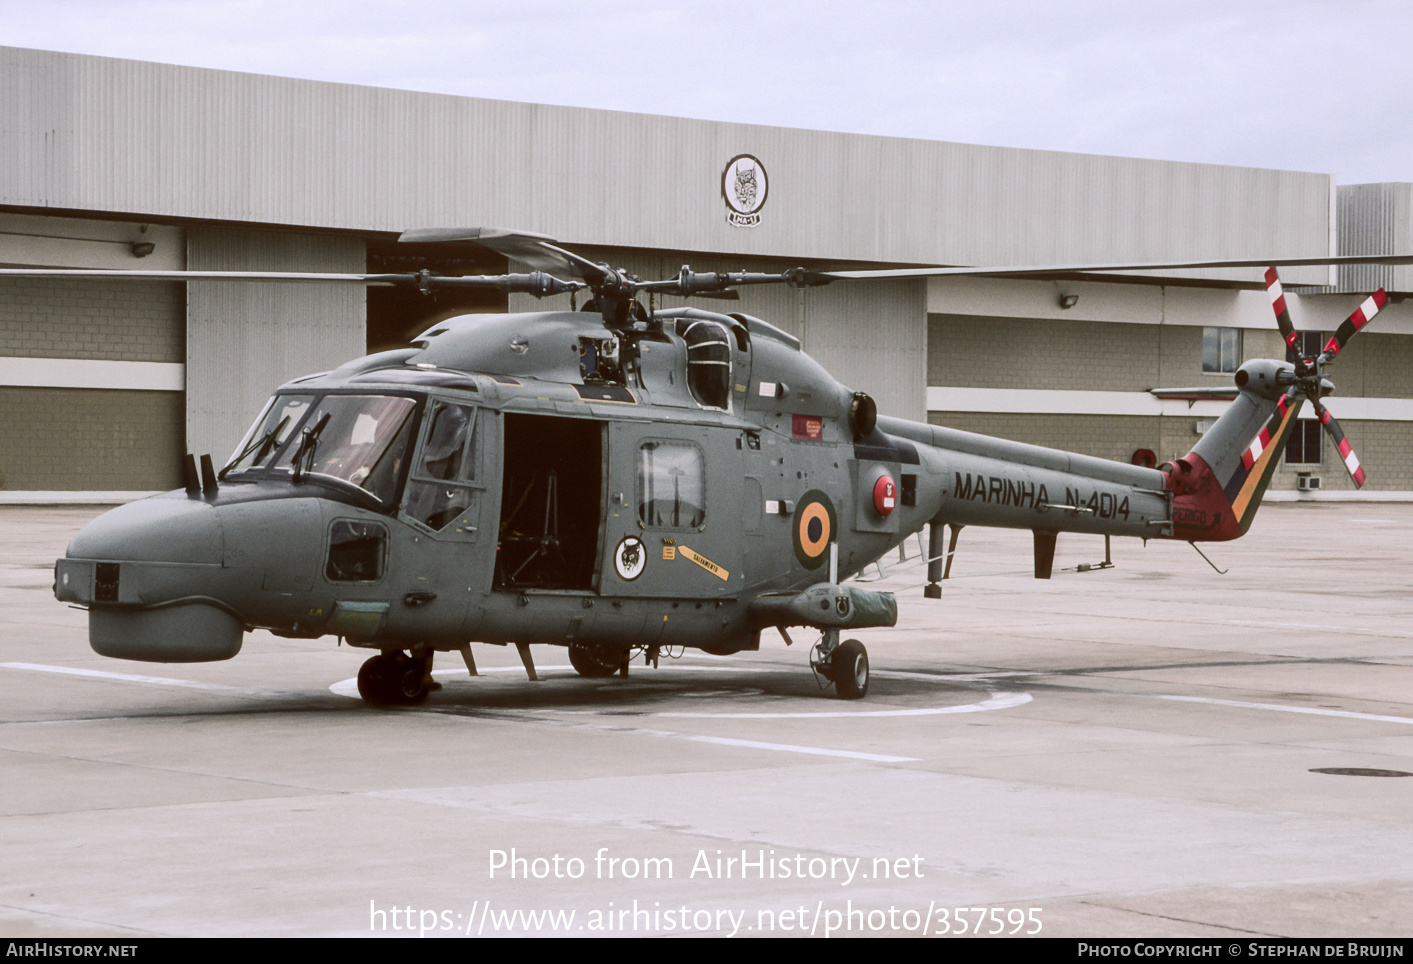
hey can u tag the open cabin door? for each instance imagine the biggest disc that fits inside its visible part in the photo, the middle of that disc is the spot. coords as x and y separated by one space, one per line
551 510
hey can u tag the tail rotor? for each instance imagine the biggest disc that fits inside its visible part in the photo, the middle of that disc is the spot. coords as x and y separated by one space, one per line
1308 380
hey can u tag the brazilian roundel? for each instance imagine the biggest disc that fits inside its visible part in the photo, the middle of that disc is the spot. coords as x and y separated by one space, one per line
815 527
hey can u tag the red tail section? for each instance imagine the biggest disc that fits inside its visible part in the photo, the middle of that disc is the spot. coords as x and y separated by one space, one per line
1217 487
1201 510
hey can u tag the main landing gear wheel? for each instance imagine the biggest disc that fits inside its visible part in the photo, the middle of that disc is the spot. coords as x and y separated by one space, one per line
393 679
593 662
849 668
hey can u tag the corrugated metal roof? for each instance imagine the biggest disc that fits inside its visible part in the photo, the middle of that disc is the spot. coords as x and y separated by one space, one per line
97 134
1375 219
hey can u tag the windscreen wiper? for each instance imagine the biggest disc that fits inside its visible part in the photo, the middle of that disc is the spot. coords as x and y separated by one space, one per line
264 443
307 444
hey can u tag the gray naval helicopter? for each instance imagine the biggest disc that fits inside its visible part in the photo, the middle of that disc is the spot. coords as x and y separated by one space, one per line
618 480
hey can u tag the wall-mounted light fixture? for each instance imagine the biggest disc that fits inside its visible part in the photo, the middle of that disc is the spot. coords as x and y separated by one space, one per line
1068 301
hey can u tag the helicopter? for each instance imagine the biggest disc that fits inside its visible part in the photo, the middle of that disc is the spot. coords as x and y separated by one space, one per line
621 480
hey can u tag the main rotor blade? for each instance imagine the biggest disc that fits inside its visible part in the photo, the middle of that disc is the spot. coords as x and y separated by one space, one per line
1346 452
824 277
1273 289
537 283
1361 317
536 250
125 275
478 235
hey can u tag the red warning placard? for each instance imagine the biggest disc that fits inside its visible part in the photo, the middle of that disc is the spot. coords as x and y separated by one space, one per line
808 427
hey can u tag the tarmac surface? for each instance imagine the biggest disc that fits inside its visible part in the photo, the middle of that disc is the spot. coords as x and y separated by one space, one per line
1129 752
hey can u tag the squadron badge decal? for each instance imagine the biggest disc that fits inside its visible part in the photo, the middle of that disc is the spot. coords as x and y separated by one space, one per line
815 527
630 559
744 187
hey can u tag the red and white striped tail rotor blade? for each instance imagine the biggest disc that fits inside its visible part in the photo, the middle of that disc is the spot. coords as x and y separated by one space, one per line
1346 453
1270 430
1361 317
1277 296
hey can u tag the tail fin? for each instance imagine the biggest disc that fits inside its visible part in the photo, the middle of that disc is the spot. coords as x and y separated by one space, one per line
1218 486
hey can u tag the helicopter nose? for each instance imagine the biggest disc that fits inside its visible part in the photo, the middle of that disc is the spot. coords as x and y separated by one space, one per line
160 529
138 568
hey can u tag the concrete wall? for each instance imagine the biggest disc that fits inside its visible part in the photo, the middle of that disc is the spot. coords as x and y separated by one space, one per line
70 438
1108 437
90 439
78 359
1384 447
1375 364
1025 353
116 320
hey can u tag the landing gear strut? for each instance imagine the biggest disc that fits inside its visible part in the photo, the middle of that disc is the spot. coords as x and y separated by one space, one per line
844 664
393 678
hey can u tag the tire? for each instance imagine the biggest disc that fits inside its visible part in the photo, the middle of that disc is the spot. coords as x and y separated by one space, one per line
375 677
412 683
849 667
392 680
593 662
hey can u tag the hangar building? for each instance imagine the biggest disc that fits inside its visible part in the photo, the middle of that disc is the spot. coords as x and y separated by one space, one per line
104 385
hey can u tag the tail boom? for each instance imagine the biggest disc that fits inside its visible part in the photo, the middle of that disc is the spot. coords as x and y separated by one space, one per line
1217 487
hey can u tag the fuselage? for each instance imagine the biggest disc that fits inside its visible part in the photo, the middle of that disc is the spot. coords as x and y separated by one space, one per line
543 479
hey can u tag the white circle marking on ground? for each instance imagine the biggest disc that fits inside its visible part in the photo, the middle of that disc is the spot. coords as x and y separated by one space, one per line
994 700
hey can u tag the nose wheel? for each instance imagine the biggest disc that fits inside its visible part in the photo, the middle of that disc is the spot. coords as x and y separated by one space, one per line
394 679
844 664
850 670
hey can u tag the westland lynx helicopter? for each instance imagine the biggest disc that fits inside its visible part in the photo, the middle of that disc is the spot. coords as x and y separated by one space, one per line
618 480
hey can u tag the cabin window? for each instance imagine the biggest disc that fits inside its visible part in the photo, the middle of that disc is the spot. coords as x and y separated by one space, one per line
671 485
356 551
438 494
1303 446
1221 350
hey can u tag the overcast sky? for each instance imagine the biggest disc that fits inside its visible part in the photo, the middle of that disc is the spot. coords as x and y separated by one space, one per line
1312 86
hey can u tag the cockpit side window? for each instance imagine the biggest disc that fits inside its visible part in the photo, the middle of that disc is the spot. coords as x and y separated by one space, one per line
438 493
451 437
